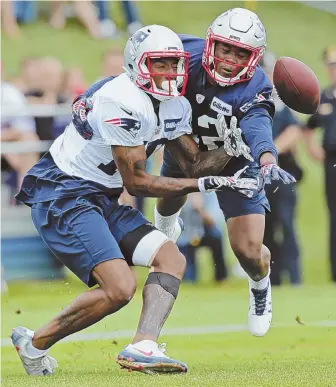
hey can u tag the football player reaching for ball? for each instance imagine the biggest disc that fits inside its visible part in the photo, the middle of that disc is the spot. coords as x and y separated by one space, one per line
225 80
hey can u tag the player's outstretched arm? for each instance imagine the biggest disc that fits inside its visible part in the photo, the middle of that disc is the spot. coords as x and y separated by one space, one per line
192 161
131 162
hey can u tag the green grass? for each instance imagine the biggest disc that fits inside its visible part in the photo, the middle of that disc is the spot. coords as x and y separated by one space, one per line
290 355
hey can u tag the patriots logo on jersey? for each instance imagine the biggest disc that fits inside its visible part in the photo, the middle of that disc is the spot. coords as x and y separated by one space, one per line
259 98
129 124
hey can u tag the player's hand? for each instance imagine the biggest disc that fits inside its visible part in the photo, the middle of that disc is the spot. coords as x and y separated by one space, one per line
246 186
272 171
233 141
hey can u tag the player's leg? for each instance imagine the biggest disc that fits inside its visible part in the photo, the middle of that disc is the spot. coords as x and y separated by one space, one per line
79 236
146 246
143 245
245 224
246 236
116 288
160 291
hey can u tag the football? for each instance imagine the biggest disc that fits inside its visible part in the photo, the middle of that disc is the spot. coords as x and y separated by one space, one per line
296 85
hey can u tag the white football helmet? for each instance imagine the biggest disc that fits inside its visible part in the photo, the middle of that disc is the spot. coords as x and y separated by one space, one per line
241 28
153 42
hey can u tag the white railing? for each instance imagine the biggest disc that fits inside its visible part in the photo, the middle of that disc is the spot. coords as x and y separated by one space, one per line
32 111
24 147
38 110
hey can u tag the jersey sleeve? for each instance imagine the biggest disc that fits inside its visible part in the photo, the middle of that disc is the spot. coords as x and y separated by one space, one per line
118 124
178 122
256 125
256 111
262 99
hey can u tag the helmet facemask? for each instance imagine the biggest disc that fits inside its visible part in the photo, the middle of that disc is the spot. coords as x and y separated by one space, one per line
174 84
241 72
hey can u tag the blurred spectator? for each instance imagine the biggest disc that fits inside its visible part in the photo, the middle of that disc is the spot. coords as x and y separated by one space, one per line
283 198
73 84
28 77
51 79
44 81
8 19
98 26
16 128
112 63
131 16
202 229
47 90
325 118
86 13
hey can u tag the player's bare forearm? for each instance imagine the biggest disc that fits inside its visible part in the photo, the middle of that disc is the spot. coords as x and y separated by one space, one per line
210 163
161 187
192 161
131 163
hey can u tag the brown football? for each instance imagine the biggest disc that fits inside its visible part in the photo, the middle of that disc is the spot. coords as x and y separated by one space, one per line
297 85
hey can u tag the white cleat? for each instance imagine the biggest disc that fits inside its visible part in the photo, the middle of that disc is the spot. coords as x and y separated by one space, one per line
260 310
148 357
40 365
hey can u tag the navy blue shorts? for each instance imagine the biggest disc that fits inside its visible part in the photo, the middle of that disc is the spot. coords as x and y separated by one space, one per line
85 231
231 202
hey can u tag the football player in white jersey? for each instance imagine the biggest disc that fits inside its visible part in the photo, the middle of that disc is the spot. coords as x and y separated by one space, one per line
73 194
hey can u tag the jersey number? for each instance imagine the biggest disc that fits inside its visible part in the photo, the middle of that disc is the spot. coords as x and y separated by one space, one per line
210 123
110 168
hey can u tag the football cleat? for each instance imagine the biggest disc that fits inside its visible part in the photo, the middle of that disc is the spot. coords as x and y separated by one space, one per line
260 310
41 365
148 357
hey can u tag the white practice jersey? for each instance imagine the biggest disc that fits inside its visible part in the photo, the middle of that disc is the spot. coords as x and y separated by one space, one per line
124 115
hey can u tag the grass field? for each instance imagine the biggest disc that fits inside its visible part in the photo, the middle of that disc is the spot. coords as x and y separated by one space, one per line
292 354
